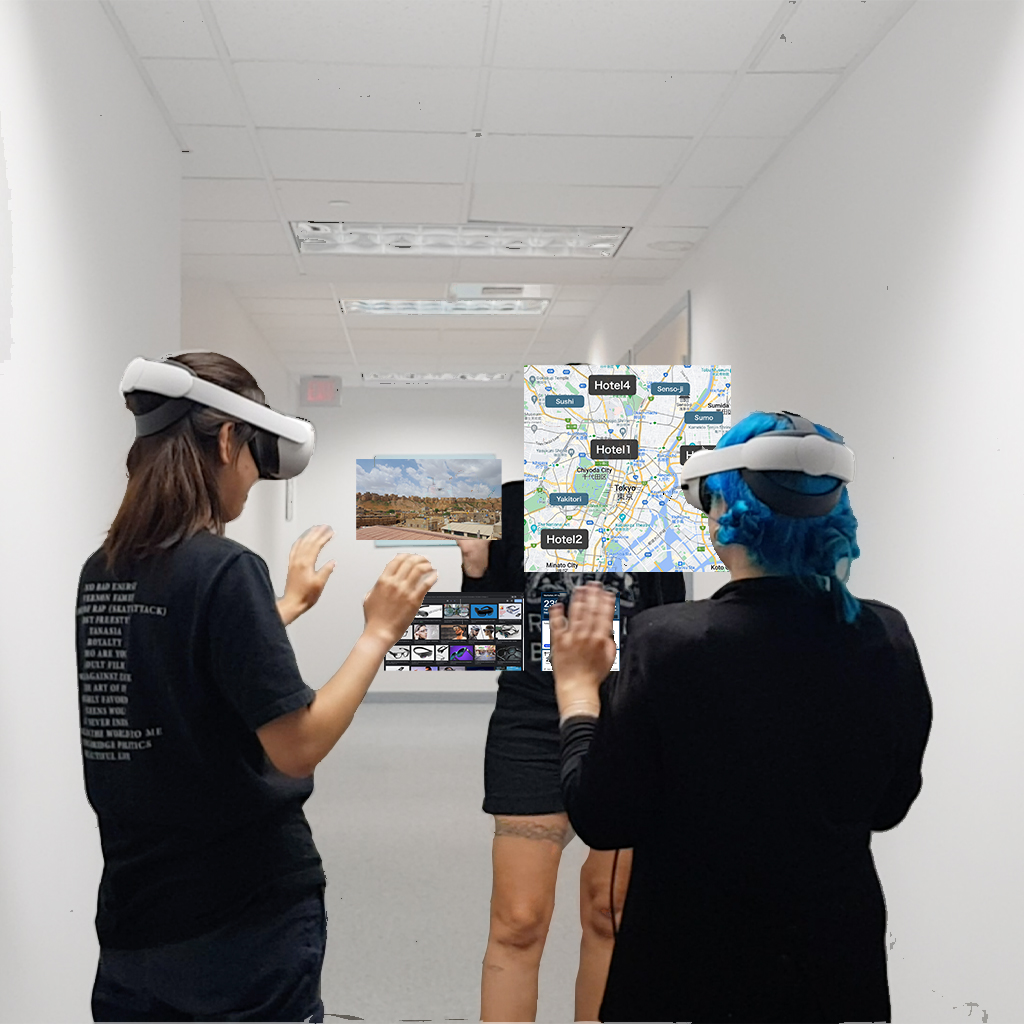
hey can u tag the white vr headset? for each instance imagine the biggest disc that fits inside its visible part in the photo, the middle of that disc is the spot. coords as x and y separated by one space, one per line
800 450
283 445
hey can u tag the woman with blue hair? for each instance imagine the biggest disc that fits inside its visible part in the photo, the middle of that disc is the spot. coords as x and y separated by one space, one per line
747 750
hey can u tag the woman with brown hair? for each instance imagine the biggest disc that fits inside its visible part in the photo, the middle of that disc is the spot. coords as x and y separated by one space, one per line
199 736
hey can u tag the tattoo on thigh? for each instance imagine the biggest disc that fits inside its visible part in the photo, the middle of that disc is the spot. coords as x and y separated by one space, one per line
526 828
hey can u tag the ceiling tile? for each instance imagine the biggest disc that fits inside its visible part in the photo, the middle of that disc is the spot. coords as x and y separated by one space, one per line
239 268
300 363
601 103
551 352
226 199
260 238
554 160
637 245
560 204
387 202
350 289
359 97
828 36
365 156
291 307
645 270
729 161
565 307
295 289
395 338
699 35
568 325
685 206
771 104
299 343
582 292
172 28
312 325
313 314
218 153
437 34
529 270
195 91
500 343
385 269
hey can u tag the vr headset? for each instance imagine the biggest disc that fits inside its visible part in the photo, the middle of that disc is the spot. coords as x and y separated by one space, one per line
283 445
799 450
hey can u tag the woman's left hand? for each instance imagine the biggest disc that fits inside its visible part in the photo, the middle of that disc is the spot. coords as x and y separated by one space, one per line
305 583
582 645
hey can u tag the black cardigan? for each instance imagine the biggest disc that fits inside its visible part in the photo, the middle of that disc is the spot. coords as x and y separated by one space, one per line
747 750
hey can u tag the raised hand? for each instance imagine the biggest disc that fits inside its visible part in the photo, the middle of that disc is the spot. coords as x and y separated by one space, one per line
475 555
396 597
305 583
582 645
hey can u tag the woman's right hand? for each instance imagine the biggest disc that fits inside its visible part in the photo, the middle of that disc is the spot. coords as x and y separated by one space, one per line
396 597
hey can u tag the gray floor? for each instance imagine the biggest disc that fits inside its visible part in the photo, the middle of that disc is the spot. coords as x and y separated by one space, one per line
406 848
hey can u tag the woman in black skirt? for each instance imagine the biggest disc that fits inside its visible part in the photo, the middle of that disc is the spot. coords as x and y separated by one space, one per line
522 791
748 749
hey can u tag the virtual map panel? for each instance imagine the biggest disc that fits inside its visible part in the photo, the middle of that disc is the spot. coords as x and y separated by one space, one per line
603 447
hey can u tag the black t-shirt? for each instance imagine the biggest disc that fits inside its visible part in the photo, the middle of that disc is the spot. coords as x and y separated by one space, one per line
636 591
180 659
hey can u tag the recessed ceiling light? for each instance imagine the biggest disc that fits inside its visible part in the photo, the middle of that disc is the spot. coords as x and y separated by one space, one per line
445 307
339 202
670 245
345 238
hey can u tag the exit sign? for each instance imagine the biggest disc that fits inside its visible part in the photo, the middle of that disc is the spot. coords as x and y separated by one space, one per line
314 391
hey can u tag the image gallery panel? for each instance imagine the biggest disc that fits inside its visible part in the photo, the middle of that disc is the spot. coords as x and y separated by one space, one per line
453 632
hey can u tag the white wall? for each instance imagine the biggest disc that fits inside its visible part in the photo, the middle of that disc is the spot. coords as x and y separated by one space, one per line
212 320
375 421
94 180
871 280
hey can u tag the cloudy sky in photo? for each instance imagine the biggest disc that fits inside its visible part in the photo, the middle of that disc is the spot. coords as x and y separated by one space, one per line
430 478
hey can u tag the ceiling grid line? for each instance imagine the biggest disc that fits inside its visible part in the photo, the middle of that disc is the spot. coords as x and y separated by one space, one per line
479 107
126 41
224 57
344 326
786 11
660 116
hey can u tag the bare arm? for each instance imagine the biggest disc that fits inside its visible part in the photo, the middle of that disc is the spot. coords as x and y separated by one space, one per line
297 742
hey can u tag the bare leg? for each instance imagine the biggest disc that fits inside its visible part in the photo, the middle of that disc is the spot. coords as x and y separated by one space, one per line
595 915
525 856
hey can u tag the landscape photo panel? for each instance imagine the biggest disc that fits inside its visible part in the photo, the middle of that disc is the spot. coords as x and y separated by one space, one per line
428 499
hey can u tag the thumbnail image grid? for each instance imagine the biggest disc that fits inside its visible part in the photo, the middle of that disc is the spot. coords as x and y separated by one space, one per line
454 631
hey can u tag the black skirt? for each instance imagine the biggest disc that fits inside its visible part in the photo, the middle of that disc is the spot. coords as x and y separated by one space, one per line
522 759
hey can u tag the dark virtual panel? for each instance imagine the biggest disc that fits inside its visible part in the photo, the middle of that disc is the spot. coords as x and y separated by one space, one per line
453 632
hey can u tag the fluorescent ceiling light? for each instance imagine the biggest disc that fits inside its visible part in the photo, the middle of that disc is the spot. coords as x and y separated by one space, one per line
445 307
349 239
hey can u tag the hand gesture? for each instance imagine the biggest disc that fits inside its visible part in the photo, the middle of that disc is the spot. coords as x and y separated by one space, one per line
396 597
475 555
582 644
305 583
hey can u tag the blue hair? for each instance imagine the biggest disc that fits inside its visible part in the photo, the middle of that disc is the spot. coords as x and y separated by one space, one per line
786 545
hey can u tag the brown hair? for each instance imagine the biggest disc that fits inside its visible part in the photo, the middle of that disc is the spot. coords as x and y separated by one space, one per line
172 491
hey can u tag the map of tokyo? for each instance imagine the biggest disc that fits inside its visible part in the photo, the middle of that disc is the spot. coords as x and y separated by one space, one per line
603 448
